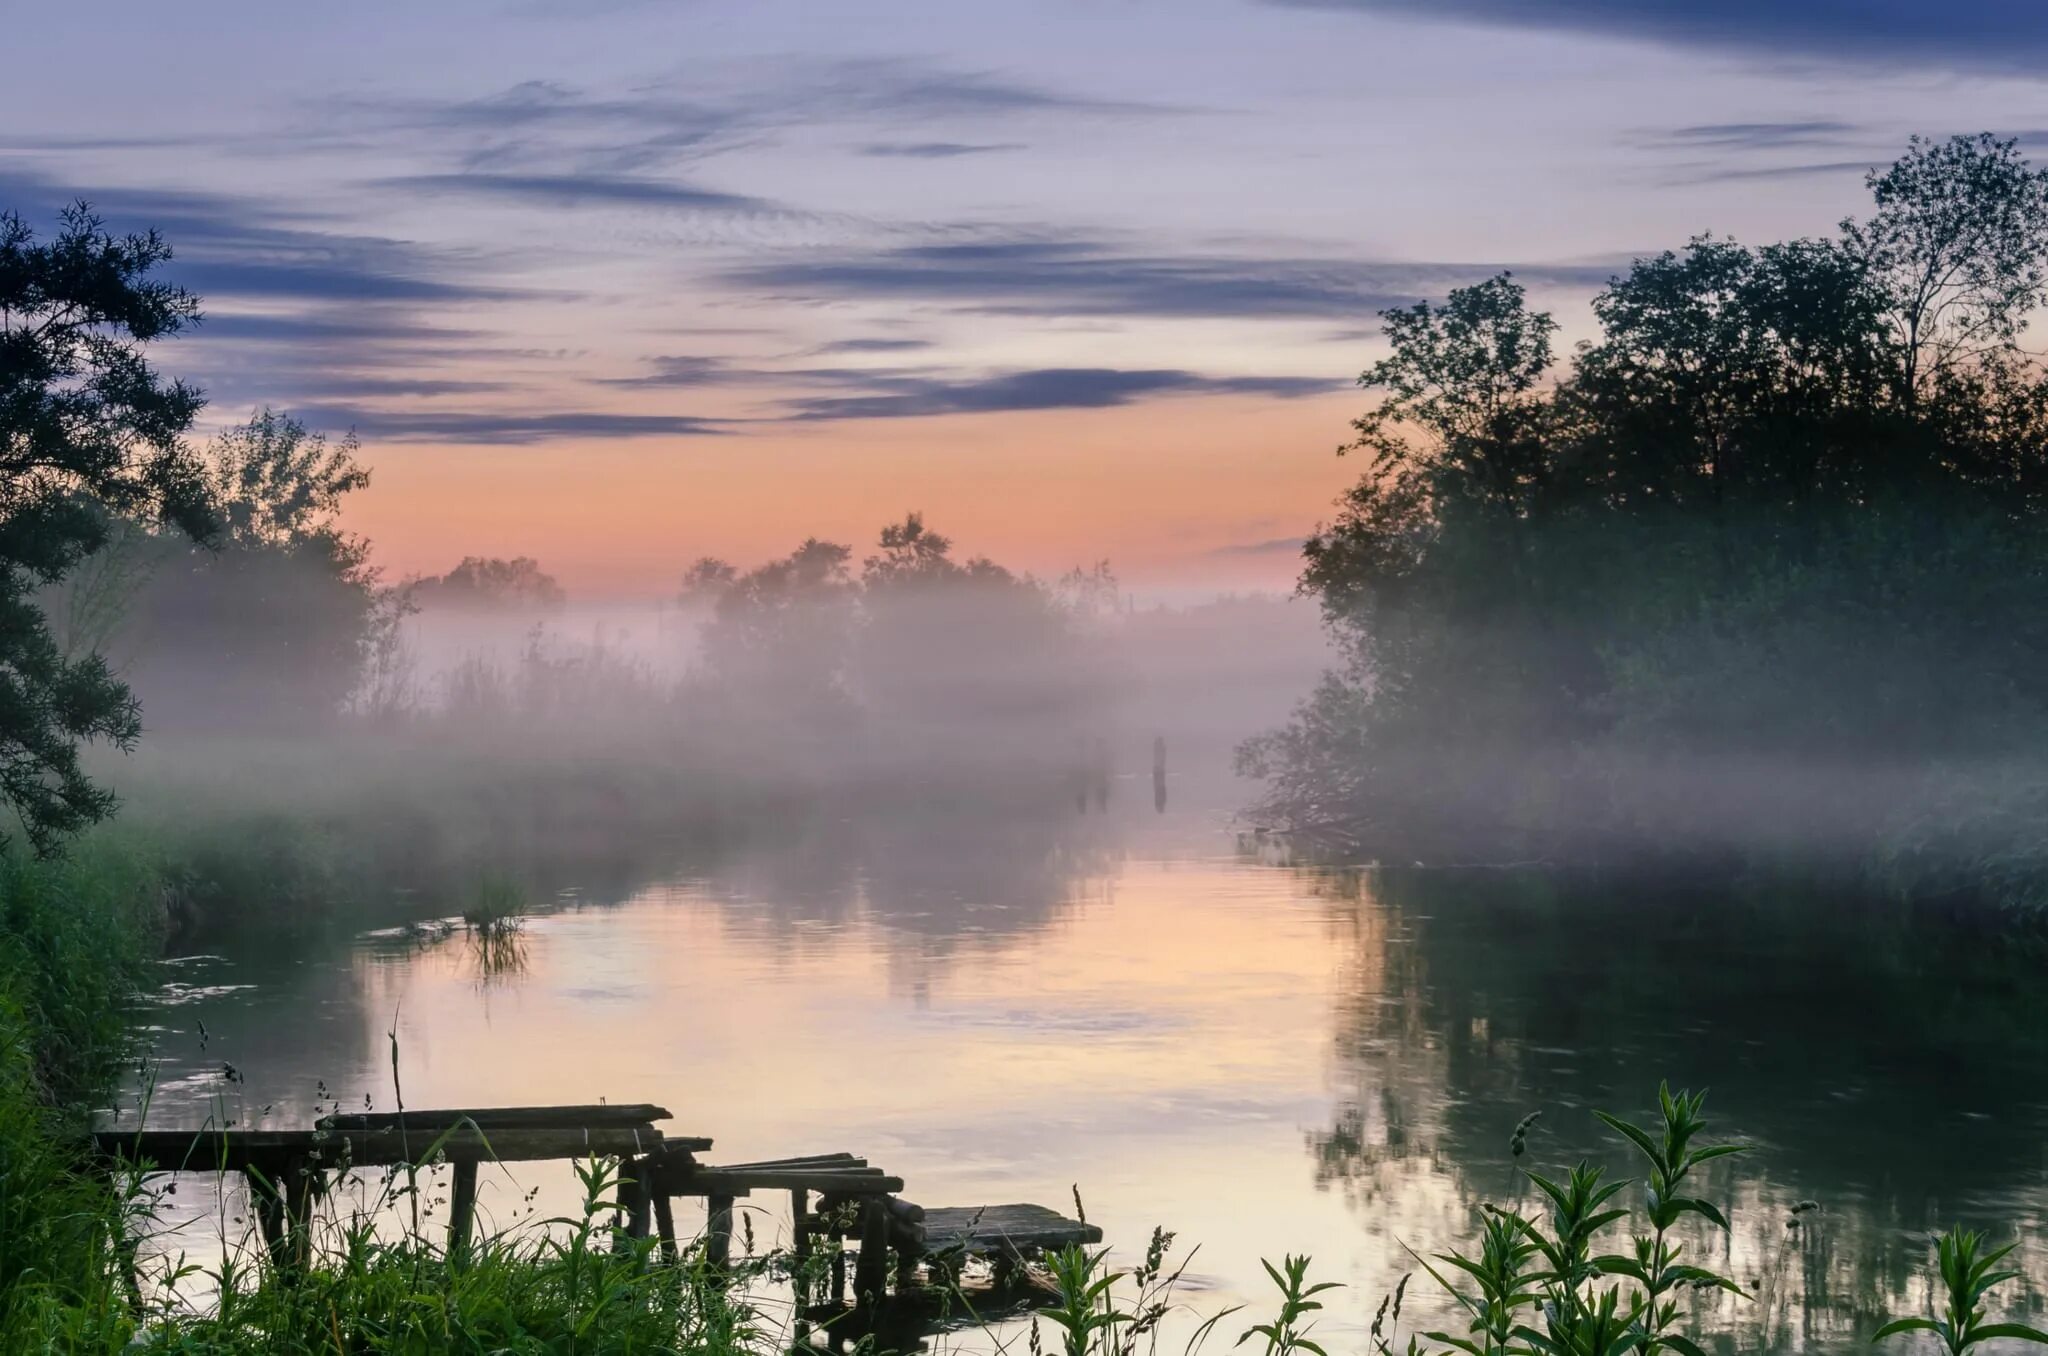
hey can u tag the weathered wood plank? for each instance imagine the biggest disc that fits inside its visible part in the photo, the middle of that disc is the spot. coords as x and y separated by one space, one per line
594 1115
707 1181
999 1229
234 1150
829 1161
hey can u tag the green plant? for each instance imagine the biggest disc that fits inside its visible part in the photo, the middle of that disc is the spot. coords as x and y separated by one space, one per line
1530 1270
1285 1334
1968 1274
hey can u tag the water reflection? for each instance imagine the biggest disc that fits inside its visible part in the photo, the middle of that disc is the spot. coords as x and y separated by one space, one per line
1888 1072
1263 1057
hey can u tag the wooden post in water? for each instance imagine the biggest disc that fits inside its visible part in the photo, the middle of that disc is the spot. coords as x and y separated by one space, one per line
461 1210
800 1245
665 1224
1159 773
718 1231
634 1203
266 1197
871 1270
298 1211
838 1237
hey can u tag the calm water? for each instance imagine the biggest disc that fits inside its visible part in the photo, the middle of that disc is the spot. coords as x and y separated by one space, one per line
1263 1058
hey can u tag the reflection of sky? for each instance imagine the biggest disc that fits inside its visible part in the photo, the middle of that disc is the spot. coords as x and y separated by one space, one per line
1243 1053
601 283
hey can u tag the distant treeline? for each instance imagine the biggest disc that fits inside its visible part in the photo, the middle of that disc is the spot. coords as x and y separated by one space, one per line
1762 569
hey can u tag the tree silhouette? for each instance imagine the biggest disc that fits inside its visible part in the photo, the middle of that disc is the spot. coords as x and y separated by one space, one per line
89 434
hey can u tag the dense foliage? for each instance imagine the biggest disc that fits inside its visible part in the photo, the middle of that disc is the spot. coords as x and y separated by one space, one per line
90 436
266 627
1762 566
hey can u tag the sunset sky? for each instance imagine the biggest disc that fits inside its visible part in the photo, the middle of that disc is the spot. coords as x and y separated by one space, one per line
617 284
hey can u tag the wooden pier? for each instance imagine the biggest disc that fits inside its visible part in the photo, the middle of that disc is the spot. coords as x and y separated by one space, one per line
855 1203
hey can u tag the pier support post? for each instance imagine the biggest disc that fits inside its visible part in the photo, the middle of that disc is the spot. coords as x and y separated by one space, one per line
871 1270
718 1231
800 1245
665 1226
461 1211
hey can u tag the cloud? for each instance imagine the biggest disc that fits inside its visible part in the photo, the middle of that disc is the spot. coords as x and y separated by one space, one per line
546 130
1277 546
899 396
229 247
907 86
490 427
937 150
1996 34
572 189
873 346
1755 135
1737 174
689 370
1077 277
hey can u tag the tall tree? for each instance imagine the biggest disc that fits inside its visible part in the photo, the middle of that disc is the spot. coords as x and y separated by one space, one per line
89 434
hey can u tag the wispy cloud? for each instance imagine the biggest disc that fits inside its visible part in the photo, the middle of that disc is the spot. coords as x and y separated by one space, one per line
1719 174
900 396
236 247
295 313
937 150
1749 136
573 189
1275 546
1085 277
1998 34
505 428
548 130
874 345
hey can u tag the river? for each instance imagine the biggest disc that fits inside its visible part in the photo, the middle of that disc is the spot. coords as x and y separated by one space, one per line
1263 1057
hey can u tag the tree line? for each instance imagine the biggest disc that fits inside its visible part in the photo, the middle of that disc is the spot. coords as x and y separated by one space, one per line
215 583
1763 559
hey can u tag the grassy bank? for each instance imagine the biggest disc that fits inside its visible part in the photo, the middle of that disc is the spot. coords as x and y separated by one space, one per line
75 939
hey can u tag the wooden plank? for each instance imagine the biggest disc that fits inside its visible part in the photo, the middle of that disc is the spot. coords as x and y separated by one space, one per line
833 1162
233 1150
593 1116
707 1181
1003 1228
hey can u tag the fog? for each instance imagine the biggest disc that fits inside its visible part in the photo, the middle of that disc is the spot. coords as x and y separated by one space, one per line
447 727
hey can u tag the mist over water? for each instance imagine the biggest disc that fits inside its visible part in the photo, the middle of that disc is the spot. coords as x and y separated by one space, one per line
1263 1056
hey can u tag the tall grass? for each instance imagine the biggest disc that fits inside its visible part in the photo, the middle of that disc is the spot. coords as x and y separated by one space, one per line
73 942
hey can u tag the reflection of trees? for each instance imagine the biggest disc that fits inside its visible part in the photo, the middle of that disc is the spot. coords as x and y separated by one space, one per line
928 883
1835 1041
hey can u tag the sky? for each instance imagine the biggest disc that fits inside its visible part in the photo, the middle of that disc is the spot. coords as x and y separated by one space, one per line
621 283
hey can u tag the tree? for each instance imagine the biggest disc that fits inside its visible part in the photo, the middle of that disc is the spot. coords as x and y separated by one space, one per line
1463 375
1958 247
1791 503
483 583
272 623
89 435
